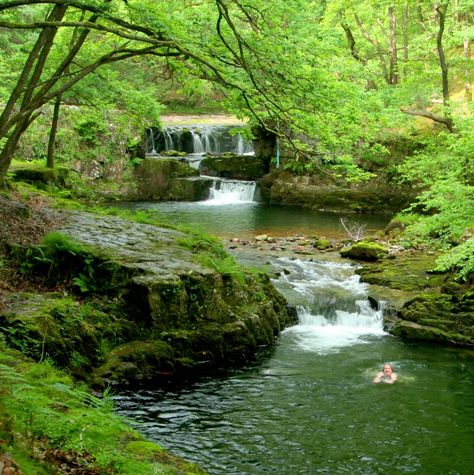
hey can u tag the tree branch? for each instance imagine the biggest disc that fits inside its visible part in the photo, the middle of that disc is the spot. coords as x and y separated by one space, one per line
447 121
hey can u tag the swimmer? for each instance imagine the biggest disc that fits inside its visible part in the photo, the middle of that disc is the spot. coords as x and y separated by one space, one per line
386 376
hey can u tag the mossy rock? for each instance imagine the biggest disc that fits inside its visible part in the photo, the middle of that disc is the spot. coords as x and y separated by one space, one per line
414 331
69 332
152 452
169 312
173 153
163 179
322 244
239 167
138 360
365 251
409 272
40 174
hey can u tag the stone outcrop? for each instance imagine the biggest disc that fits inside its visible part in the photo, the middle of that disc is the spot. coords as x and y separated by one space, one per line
153 303
169 179
365 251
420 304
323 193
229 165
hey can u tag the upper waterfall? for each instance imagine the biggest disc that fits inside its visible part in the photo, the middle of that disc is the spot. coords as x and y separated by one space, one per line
196 139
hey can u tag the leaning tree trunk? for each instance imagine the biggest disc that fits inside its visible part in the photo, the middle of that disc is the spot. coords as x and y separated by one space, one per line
467 71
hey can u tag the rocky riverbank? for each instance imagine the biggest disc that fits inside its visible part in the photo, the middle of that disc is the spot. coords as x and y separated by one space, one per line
126 302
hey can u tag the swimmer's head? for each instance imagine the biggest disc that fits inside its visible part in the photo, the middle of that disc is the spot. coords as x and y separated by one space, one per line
387 368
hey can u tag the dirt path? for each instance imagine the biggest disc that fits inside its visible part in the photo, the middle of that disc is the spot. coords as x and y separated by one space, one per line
211 119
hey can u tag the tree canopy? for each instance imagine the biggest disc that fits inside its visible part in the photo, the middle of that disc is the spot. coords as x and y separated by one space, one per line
333 80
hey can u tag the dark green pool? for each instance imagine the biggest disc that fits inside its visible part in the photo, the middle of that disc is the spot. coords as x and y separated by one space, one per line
309 406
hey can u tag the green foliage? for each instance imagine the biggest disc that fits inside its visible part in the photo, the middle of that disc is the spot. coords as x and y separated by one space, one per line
41 409
65 261
460 259
443 172
226 266
143 216
200 242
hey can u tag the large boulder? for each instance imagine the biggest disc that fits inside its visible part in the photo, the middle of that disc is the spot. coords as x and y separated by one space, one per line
436 317
365 251
419 304
324 193
155 303
169 179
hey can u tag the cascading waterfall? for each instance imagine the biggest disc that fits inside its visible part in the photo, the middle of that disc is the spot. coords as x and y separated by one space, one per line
231 192
197 139
332 304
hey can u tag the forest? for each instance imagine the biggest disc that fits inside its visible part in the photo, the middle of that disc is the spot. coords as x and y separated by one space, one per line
331 79
348 94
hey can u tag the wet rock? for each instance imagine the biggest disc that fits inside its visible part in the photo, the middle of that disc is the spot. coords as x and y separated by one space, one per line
321 244
232 166
421 305
365 251
168 179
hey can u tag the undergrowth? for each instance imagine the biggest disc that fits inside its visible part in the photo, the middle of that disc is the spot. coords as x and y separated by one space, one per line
46 419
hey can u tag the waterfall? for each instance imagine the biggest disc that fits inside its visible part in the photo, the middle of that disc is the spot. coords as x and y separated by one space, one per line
331 302
150 141
197 139
231 192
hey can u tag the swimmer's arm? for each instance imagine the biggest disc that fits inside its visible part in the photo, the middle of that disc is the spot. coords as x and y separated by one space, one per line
378 378
393 378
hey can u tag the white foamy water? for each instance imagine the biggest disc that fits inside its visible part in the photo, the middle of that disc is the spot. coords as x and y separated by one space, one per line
225 192
327 321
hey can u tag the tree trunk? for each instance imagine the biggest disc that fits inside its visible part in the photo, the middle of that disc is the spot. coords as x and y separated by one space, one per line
393 46
406 21
6 155
467 71
376 44
441 11
23 82
52 134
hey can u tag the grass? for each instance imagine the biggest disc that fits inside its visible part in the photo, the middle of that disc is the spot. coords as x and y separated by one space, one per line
44 415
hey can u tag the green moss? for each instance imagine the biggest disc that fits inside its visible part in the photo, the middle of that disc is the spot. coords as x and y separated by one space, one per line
365 251
136 361
42 411
408 272
321 244
66 261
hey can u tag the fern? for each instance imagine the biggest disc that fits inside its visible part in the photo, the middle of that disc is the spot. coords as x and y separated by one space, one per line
460 259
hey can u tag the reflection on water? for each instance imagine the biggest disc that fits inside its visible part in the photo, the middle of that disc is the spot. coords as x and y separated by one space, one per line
244 219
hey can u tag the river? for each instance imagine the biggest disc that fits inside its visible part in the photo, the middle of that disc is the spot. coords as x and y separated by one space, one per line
309 406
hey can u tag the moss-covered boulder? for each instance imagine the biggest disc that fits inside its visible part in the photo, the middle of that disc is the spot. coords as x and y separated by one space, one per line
169 179
151 303
40 175
419 304
322 192
230 165
436 317
365 251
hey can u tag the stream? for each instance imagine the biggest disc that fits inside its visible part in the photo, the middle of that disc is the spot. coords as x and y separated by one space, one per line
308 405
